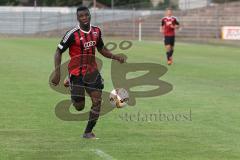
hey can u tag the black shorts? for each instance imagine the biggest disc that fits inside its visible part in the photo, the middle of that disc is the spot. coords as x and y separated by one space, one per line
80 84
169 40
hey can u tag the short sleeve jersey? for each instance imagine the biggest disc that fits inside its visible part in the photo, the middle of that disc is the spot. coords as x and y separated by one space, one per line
82 46
167 22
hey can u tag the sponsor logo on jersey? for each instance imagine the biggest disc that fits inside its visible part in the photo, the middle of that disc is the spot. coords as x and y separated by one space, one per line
89 44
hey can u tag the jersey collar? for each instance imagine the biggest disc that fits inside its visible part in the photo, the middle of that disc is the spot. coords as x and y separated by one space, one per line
85 31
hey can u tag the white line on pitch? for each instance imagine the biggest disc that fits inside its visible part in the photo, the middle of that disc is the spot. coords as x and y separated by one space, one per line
103 155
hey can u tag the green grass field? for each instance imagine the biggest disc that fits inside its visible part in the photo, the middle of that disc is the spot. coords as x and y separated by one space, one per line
205 80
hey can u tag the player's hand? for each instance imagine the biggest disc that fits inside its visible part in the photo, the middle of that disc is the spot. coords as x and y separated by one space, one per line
120 59
66 82
56 79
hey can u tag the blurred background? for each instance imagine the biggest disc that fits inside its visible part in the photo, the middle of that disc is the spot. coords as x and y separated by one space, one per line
201 20
205 76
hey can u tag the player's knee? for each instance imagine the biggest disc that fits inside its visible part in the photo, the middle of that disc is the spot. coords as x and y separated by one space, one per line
169 49
96 101
79 106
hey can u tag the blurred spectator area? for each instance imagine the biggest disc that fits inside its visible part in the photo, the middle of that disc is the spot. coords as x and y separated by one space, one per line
196 22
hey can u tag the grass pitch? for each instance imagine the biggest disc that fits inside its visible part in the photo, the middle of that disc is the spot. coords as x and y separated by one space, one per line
206 91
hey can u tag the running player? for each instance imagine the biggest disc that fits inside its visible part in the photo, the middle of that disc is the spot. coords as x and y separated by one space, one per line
169 24
84 75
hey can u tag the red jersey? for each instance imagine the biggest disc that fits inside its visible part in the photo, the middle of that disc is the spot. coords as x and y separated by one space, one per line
82 46
167 22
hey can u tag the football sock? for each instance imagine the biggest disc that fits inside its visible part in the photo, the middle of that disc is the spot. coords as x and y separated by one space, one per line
90 126
171 53
168 55
93 117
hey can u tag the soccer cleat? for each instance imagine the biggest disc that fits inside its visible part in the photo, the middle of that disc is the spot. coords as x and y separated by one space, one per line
170 61
90 135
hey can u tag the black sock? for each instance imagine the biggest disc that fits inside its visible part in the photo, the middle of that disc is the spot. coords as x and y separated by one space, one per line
90 126
93 117
171 53
168 55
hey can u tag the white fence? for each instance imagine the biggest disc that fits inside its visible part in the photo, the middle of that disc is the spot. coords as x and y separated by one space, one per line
31 20
204 22
192 4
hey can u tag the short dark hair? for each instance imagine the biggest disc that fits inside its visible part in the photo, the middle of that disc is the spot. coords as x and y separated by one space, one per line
82 8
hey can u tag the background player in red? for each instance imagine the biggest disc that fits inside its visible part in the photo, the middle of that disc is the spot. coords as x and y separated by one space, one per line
169 24
83 72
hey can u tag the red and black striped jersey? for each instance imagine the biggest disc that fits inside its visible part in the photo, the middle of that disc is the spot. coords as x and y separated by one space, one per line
167 22
82 47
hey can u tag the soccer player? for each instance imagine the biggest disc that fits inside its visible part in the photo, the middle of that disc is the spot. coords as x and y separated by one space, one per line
169 24
83 72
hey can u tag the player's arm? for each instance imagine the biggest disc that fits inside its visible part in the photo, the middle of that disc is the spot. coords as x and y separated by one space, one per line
105 52
57 62
176 24
62 47
162 26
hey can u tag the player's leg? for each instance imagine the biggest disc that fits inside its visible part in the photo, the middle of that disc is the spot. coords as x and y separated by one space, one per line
172 42
169 45
170 58
168 53
77 92
94 89
96 97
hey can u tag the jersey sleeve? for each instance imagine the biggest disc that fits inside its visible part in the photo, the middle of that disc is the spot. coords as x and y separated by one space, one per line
100 43
162 21
66 41
176 21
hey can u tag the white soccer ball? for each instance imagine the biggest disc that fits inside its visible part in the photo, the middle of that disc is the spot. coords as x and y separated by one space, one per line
119 97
